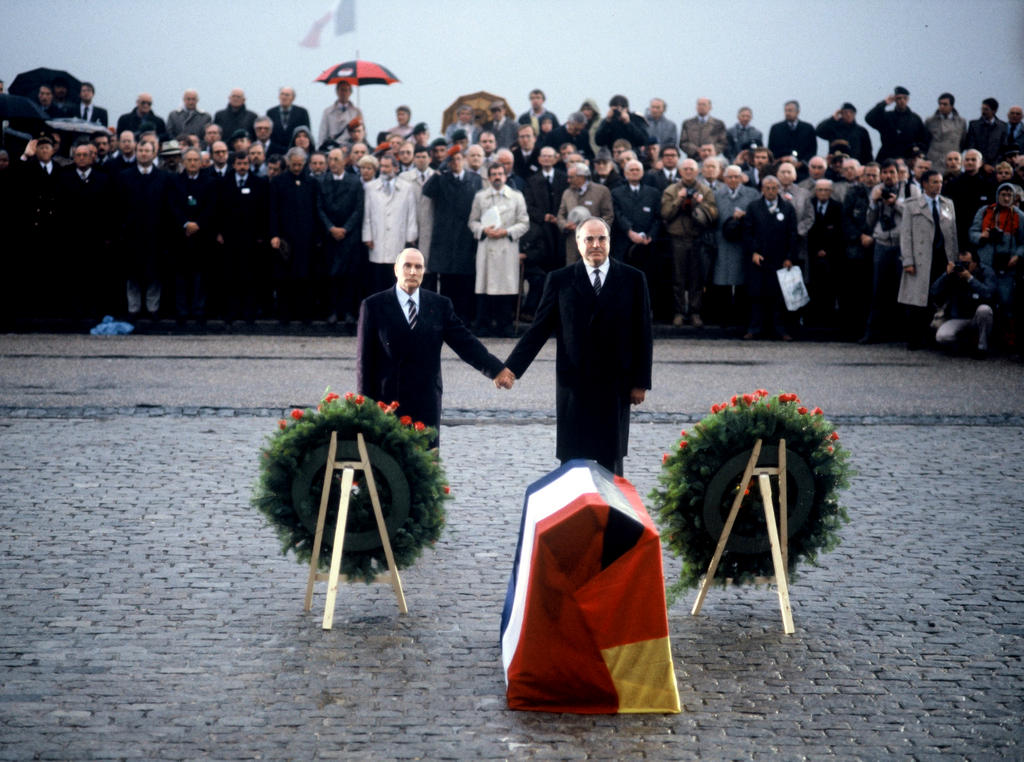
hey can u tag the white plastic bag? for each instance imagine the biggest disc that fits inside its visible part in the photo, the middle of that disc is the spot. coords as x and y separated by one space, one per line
794 291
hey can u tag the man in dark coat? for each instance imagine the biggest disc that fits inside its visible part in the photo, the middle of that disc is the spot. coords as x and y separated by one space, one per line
287 116
826 251
637 217
987 134
35 218
901 130
235 116
243 209
770 242
544 253
791 137
142 118
842 125
294 233
194 212
452 245
143 200
573 131
84 196
340 208
604 353
620 122
399 346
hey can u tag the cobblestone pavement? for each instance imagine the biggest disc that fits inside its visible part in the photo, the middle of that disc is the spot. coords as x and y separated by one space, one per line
148 614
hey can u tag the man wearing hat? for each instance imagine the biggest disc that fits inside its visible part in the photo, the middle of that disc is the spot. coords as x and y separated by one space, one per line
504 129
842 125
36 216
902 130
170 157
421 135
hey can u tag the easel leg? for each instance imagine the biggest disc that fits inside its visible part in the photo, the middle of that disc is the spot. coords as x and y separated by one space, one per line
727 529
314 562
396 581
339 541
783 507
773 537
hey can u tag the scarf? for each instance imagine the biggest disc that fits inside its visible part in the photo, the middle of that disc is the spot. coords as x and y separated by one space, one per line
1001 217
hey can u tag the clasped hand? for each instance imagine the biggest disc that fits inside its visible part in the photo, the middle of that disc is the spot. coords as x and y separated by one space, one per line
504 379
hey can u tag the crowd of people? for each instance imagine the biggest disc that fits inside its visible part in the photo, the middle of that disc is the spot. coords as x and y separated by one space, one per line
239 216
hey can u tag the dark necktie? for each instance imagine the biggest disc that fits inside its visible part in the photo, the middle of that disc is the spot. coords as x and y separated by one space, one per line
85 113
412 314
597 282
284 118
939 240
241 182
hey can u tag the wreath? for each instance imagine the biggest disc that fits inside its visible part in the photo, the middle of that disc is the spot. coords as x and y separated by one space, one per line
700 478
408 476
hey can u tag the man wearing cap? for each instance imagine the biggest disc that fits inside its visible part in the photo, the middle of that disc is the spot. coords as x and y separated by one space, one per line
286 116
583 198
987 134
189 119
170 157
334 124
842 125
36 216
504 129
452 245
901 130
142 115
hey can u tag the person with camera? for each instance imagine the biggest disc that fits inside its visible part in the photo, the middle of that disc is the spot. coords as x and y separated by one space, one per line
968 289
885 213
998 233
620 122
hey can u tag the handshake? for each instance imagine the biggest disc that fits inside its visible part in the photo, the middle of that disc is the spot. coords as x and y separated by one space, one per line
505 379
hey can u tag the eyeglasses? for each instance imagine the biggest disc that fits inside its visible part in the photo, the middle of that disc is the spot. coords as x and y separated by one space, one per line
145 103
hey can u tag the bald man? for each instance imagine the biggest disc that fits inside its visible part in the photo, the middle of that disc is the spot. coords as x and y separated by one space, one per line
236 116
189 119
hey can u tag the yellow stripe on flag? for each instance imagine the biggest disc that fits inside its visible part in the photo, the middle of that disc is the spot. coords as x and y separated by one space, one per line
643 676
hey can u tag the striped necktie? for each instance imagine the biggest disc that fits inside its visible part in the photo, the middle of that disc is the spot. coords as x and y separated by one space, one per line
412 314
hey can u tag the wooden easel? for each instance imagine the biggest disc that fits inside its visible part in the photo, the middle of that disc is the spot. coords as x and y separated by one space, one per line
348 469
780 548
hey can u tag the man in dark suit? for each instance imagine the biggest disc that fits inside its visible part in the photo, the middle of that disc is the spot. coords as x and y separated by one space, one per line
600 314
637 216
543 195
194 212
770 242
792 137
243 210
294 235
340 208
83 203
86 110
401 330
142 118
526 151
826 252
287 116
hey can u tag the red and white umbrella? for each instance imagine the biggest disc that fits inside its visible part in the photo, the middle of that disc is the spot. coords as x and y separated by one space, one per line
357 73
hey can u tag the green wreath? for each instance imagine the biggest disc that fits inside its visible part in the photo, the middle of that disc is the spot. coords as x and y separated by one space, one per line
408 476
700 478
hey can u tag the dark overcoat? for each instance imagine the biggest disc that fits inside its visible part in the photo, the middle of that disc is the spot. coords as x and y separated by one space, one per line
340 204
294 219
452 246
604 350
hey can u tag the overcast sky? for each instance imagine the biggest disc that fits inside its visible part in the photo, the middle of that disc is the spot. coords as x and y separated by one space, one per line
737 52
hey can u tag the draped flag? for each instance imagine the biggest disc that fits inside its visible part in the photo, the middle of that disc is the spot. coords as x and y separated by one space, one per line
312 38
585 628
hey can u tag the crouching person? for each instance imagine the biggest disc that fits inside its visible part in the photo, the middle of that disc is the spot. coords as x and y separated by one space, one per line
967 288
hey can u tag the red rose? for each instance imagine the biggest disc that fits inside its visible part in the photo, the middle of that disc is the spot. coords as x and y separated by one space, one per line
802 410
282 424
297 415
405 420
762 392
360 399
664 458
831 449
835 436
331 397
733 400
394 404
714 409
447 490
349 396
817 411
419 426
682 433
382 405
683 444
748 399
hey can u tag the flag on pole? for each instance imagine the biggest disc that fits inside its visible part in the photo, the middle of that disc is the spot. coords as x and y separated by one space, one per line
312 38
585 627
345 17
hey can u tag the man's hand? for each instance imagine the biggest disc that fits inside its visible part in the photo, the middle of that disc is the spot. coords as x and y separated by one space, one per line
636 396
890 99
822 253
369 244
757 259
738 214
495 232
550 218
504 379
910 270
636 237
338 234
191 228
866 240
30 149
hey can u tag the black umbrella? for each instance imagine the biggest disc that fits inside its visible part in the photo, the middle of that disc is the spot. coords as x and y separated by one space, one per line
18 107
27 83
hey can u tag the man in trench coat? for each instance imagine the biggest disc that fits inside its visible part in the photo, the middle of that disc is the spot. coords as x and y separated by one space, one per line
604 352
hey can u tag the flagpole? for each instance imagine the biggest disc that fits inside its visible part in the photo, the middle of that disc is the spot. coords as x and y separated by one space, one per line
359 103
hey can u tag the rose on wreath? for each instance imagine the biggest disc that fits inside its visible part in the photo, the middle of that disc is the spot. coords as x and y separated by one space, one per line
408 476
700 478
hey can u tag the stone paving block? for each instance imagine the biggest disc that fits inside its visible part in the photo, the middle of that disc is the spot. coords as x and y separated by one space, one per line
153 614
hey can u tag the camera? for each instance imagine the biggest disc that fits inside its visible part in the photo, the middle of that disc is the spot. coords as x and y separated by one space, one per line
995 236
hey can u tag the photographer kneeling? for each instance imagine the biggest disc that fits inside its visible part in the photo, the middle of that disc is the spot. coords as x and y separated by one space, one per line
967 287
